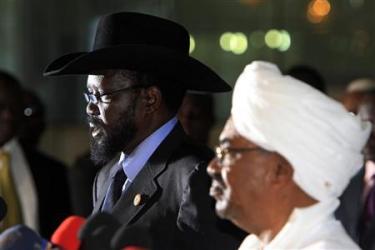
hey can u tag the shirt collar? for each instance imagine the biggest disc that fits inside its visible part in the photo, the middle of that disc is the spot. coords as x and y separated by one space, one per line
135 161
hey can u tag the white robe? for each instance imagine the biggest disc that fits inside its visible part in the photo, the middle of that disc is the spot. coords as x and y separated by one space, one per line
310 228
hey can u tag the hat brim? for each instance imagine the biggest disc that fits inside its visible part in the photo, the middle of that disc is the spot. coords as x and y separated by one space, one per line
185 70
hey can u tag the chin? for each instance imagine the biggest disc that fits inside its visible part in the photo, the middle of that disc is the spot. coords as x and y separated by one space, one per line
222 209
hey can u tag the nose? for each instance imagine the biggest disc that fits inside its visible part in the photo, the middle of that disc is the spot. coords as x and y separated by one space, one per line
92 109
213 168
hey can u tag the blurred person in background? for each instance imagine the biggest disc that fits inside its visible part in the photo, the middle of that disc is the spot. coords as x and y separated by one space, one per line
308 75
357 207
196 115
356 91
285 156
32 184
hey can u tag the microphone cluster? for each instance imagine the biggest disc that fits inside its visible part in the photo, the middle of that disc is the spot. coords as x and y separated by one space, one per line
99 232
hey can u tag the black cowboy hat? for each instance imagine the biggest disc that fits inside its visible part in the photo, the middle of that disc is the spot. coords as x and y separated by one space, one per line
137 41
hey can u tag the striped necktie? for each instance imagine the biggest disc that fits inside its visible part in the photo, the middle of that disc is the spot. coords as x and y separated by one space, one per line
8 192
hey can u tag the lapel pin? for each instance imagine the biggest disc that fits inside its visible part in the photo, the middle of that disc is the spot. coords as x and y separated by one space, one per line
137 200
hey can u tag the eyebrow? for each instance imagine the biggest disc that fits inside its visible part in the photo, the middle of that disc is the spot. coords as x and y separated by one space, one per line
224 141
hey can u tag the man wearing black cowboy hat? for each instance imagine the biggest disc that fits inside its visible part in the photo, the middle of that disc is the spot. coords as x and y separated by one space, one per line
139 70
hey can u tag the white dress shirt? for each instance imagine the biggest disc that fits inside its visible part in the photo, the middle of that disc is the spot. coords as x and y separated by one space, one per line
311 228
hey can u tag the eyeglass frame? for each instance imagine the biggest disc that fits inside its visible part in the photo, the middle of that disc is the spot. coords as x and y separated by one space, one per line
97 98
221 152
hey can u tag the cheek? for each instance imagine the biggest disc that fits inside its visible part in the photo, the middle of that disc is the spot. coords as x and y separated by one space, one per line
237 184
106 114
245 181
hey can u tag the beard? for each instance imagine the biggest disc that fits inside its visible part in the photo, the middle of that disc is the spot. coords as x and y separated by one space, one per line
112 140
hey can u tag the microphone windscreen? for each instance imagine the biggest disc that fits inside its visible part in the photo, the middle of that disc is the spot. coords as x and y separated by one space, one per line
132 237
21 237
3 208
97 232
66 235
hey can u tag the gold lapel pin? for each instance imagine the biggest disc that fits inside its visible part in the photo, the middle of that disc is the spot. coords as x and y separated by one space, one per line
137 200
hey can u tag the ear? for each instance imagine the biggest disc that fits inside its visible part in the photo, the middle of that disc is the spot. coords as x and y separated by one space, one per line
281 172
151 99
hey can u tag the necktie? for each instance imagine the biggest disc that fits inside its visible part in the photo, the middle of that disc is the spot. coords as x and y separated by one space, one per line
114 190
8 192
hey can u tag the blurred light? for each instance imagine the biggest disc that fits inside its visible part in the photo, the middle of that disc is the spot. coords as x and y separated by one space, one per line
238 43
225 41
256 39
314 19
192 44
321 7
286 40
273 39
356 3
317 10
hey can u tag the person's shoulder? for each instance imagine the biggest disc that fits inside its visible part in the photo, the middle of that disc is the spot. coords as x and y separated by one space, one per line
328 244
331 235
37 158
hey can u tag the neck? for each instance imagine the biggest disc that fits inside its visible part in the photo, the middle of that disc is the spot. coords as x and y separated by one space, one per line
148 127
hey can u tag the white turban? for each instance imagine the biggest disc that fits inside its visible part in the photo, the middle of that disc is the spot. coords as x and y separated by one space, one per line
319 138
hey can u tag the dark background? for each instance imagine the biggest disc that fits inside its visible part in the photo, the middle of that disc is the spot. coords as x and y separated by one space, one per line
34 32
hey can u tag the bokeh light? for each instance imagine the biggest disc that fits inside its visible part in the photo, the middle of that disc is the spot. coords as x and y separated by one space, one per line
238 43
234 42
192 44
317 10
273 39
225 41
286 40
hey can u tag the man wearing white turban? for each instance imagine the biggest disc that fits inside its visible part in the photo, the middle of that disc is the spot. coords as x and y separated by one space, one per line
285 156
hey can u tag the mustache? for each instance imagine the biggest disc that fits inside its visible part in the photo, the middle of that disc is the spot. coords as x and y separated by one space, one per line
95 121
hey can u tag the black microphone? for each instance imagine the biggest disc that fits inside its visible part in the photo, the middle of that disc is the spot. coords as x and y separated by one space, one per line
97 232
132 237
3 208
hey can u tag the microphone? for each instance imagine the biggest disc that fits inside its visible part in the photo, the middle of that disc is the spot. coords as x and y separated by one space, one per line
22 237
3 208
66 235
97 232
132 238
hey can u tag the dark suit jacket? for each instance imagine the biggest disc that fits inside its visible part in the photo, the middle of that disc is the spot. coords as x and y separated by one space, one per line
52 190
176 207
350 212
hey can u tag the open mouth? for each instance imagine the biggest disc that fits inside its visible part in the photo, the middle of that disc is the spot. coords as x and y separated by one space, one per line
216 190
95 130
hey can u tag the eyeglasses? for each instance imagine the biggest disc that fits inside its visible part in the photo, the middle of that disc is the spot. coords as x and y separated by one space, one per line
96 98
228 155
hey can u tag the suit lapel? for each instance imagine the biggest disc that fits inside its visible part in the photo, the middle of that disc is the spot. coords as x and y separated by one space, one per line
145 185
102 184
